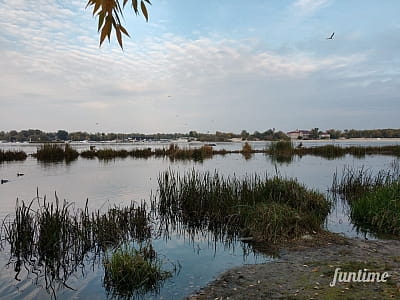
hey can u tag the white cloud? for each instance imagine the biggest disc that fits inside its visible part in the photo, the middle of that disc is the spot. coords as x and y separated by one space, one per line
56 77
309 6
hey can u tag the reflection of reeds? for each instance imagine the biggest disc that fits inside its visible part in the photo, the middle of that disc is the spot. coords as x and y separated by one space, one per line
11 155
130 272
53 239
120 224
268 209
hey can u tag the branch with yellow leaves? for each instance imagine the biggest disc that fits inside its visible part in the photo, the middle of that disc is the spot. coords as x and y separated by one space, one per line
109 13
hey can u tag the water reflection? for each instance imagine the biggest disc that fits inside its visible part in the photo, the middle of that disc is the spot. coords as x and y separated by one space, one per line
53 240
122 180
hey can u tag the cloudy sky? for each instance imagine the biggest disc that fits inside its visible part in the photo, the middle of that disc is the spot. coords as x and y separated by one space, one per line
202 65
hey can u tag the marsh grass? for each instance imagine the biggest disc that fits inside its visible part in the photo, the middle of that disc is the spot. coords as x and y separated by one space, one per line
10 155
281 148
354 182
53 152
268 209
379 210
54 239
281 151
373 198
130 272
285 149
173 152
325 151
120 224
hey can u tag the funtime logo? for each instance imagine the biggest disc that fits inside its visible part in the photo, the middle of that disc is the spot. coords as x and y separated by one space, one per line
362 275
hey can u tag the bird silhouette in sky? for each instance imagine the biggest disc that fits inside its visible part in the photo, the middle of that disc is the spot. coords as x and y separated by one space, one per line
331 37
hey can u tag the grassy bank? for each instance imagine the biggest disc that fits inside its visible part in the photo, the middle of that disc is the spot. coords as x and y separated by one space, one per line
11 155
265 209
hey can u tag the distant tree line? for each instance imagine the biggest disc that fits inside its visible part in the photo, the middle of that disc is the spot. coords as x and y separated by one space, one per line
370 133
36 135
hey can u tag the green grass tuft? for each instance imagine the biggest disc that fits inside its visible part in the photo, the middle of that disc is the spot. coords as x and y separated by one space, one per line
269 209
130 272
379 209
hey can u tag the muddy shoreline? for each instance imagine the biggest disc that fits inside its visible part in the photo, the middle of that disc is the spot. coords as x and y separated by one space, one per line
305 269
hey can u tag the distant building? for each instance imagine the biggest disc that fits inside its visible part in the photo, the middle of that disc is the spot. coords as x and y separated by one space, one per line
299 134
324 136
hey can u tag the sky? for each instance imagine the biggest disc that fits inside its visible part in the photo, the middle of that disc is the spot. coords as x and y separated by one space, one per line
202 65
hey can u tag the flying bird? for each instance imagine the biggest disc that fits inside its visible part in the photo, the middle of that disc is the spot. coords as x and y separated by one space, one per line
331 37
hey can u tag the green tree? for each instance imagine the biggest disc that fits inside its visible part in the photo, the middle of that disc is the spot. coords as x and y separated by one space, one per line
244 134
62 135
314 133
110 12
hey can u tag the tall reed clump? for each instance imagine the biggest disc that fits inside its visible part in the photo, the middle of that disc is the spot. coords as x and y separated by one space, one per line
111 153
268 209
53 239
355 182
121 224
281 148
130 272
374 198
55 152
10 155
326 151
379 210
247 150
20 234
281 151
197 154
70 153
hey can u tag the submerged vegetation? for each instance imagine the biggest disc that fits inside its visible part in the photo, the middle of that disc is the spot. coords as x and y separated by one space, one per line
374 199
11 155
265 209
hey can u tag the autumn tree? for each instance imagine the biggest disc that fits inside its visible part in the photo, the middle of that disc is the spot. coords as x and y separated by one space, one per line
109 14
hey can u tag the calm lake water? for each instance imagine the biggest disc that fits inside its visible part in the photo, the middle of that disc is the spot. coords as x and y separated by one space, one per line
121 181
